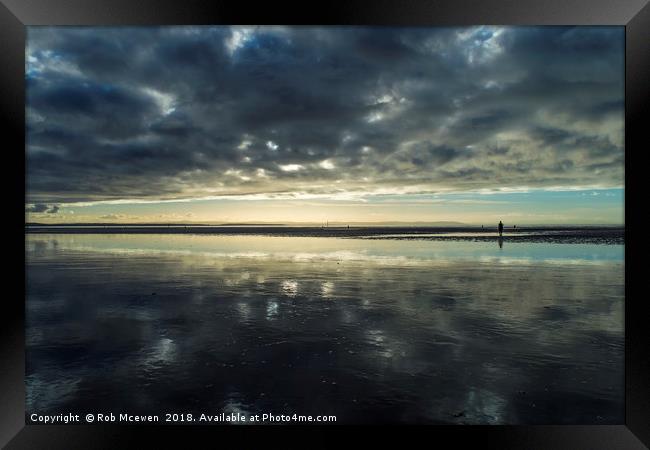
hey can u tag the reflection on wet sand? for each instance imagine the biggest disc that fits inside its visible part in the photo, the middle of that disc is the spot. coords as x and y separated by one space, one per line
370 338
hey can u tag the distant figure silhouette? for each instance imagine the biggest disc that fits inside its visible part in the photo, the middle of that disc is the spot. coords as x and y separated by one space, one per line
500 228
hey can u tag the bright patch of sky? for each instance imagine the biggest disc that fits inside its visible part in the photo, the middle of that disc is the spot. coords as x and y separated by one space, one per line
595 207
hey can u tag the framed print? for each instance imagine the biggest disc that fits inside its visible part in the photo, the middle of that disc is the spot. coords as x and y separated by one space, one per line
301 219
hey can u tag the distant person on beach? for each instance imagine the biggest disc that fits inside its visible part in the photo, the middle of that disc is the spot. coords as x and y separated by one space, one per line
500 228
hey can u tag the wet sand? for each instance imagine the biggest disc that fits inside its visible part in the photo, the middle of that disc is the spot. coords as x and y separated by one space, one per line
373 331
560 235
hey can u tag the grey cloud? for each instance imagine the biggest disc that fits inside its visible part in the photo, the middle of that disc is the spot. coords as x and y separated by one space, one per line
177 112
42 208
37 208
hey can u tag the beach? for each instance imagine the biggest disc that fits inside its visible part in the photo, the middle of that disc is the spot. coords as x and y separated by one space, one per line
370 330
548 234
378 225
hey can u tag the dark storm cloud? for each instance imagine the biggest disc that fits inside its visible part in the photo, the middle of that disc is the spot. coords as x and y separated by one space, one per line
182 112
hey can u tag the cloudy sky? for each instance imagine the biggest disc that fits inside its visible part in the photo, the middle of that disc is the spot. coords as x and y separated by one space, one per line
307 124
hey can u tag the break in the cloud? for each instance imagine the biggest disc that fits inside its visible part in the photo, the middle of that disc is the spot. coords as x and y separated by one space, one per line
148 114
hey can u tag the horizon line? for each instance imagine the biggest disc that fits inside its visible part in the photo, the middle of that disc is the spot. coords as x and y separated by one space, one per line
314 224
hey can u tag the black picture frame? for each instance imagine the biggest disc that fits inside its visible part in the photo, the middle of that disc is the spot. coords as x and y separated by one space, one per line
15 15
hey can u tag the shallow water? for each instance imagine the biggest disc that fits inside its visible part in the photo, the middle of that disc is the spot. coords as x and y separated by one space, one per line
369 330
